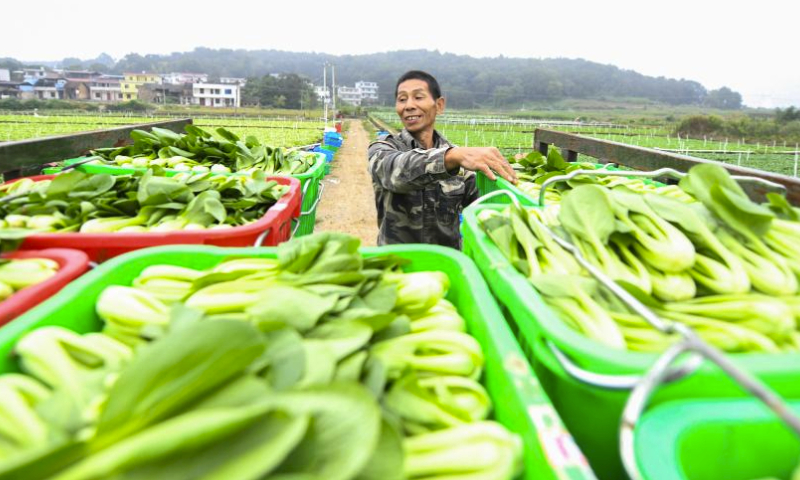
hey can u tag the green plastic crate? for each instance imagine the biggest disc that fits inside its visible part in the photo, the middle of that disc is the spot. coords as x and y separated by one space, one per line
592 414
485 185
310 184
715 439
312 187
519 401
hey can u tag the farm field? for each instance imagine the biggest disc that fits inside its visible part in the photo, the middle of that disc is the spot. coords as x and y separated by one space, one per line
515 135
283 131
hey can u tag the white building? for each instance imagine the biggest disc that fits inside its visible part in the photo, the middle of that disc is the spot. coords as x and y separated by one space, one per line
30 74
178 78
105 89
349 95
216 95
5 75
233 80
369 91
323 94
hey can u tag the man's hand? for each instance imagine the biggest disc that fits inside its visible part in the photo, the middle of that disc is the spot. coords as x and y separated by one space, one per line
480 159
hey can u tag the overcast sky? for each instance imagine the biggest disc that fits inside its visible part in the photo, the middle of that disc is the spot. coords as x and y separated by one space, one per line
749 46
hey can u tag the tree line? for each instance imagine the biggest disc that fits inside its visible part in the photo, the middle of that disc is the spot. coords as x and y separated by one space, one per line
467 82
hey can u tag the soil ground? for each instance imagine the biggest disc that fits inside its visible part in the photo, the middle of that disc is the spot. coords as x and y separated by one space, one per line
348 202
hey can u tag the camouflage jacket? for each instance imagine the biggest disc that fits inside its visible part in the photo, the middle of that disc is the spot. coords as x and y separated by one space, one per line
418 200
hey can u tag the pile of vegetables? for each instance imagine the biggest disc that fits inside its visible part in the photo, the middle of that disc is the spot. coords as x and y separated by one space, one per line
80 202
534 169
722 264
18 273
199 151
317 364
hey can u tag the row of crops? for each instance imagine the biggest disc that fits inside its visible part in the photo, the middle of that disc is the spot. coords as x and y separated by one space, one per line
281 131
516 136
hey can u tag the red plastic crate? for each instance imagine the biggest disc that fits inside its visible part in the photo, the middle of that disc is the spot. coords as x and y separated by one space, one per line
72 264
273 228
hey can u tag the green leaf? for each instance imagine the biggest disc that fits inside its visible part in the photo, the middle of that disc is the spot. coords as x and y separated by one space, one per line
713 186
12 238
344 433
166 136
740 213
65 183
587 213
44 461
386 462
555 161
382 298
175 370
342 337
302 313
92 187
676 212
236 442
196 131
141 135
320 252
227 135
155 190
350 369
782 207
181 153
639 294
320 364
284 360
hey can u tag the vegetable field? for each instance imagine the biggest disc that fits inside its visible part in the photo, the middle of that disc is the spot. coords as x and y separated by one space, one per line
513 135
268 130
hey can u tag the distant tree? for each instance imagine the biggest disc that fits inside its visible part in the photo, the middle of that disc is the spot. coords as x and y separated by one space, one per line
72 63
11 64
789 115
98 67
724 98
104 59
283 91
699 125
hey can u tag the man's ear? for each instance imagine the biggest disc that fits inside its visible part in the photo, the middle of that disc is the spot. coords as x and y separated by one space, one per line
440 102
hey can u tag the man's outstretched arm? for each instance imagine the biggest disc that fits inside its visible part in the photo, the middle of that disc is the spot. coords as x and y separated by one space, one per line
403 172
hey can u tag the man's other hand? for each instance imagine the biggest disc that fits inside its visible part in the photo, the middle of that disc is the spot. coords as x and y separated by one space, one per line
480 159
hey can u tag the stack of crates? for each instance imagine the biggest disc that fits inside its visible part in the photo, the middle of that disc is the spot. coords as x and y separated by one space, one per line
331 142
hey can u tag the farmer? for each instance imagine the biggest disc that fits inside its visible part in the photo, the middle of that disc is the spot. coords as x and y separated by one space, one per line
422 181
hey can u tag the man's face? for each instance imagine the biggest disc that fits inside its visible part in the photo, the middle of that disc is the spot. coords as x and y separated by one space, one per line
416 107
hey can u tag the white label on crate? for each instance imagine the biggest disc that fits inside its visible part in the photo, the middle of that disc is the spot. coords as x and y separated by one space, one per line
558 445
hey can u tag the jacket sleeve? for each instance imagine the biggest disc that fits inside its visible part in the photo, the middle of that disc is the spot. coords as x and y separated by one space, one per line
471 193
402 172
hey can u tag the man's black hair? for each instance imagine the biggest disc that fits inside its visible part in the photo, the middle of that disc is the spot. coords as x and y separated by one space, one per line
433 85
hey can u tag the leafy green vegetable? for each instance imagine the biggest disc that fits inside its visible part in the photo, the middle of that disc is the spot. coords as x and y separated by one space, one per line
199 150
178 369
480 450
572 296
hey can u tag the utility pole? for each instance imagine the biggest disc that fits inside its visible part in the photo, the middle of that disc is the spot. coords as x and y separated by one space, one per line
325 89
333 90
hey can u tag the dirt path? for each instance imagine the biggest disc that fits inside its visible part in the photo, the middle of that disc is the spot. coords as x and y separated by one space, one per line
348 202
